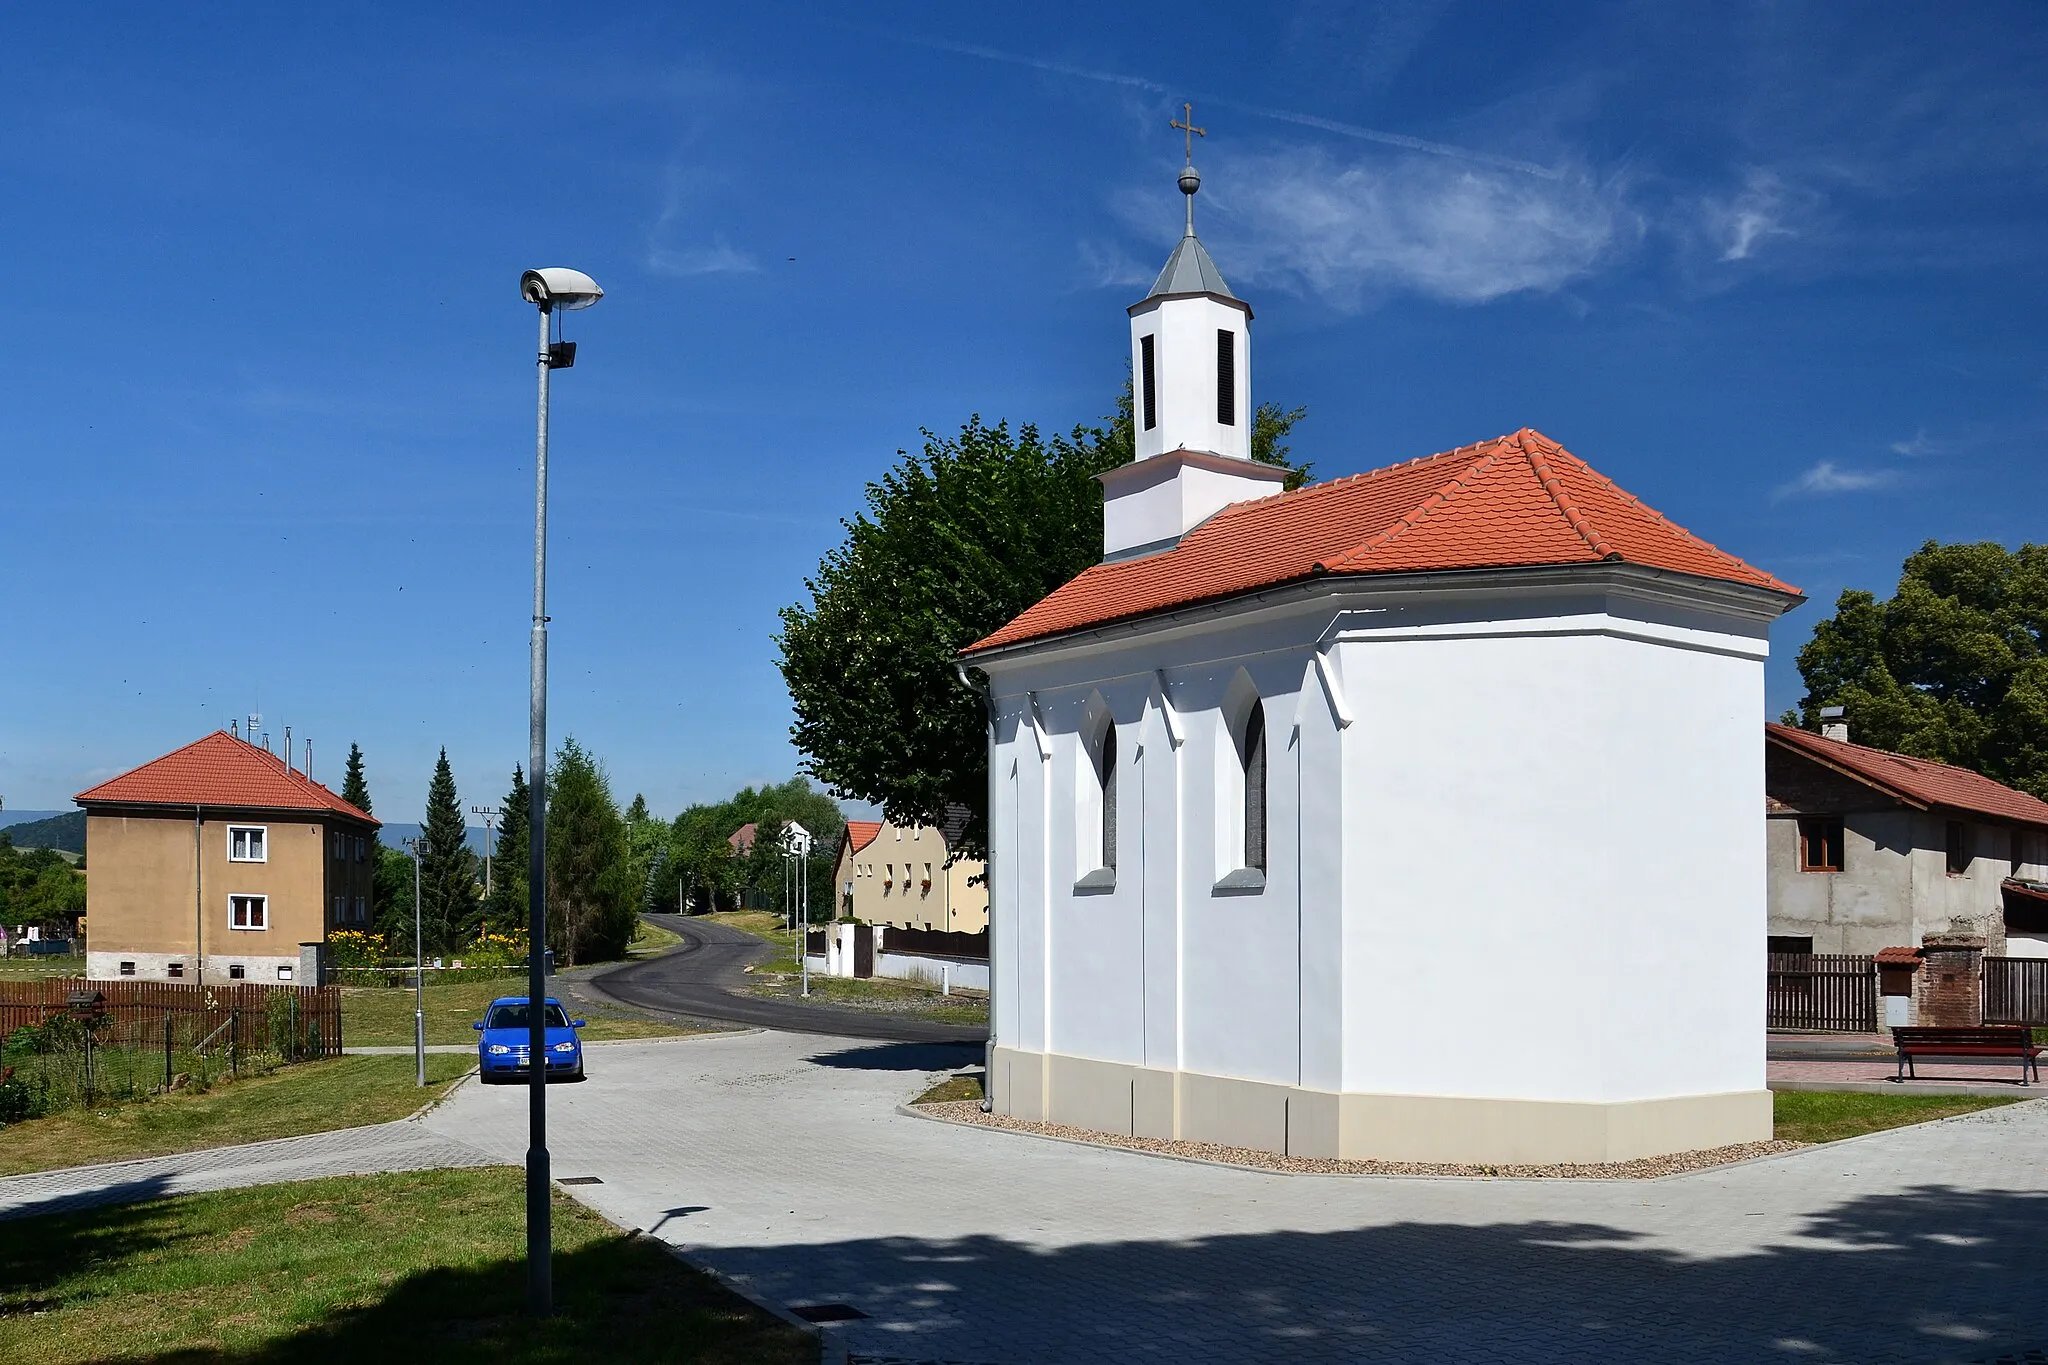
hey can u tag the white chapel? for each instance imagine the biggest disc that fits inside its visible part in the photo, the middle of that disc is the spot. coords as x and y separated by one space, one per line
1412 815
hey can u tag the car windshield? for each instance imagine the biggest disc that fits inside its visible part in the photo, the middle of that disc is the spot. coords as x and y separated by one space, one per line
515 1016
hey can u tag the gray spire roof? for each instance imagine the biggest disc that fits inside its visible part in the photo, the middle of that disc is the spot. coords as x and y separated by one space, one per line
1190 271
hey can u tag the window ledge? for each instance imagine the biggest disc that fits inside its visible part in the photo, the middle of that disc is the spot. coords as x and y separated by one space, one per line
1246 881
1097 883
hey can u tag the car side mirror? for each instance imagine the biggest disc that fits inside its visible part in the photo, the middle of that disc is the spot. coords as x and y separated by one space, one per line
478 1026
578 1023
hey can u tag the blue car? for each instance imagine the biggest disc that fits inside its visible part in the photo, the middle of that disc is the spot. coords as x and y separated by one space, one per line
501 1052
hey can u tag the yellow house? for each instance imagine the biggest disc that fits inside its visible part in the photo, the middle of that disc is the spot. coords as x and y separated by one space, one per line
899 875
220 862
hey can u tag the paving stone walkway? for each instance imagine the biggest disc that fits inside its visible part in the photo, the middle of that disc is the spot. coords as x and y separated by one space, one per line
407 1145
782 1162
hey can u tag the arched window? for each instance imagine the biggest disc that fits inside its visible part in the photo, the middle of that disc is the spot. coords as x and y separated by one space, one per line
1251 752
1105 774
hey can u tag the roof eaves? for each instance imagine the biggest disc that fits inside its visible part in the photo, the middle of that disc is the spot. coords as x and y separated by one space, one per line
1807 746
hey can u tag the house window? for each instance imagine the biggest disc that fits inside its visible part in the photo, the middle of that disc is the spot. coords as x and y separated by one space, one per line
246 843
340 845
175 970
1820 844
1252 753
1226 385
127 969
1151 384
362 910
284 973
1798 945
359 848
340 909
1105 775
248 912
237 971
1958 849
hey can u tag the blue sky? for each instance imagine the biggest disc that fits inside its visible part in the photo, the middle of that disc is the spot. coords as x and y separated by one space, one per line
267 406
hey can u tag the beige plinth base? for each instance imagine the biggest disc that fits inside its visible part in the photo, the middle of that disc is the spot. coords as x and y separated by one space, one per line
1113 1097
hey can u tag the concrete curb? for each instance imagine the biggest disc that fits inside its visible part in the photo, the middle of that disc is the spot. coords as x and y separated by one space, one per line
2005 1090
435 1103
912 1111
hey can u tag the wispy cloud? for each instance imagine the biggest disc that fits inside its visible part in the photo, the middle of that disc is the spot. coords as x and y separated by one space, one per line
1736 225
1108 266
1345 231
1829 477
667 257
1920 444
1146 83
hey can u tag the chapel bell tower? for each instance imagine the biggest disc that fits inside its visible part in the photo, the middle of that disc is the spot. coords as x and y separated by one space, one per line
1191 400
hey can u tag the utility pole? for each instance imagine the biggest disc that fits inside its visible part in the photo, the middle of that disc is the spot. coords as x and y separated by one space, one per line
490 815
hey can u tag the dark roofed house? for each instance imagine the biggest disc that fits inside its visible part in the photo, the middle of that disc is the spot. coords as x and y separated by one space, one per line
1870 849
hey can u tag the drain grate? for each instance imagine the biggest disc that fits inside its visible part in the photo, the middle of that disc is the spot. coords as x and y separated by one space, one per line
828 1312
580 1180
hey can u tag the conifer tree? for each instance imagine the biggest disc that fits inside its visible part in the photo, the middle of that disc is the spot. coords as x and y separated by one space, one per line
451 904
591 897
354 789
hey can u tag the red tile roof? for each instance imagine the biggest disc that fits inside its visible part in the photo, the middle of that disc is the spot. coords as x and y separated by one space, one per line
1898 957
220 770
1916 781
861 833
1516 501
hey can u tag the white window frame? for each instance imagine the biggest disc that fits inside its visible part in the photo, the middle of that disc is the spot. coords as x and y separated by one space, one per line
262 907
262 833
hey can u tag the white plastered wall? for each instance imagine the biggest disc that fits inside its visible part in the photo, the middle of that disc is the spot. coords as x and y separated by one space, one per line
1514 854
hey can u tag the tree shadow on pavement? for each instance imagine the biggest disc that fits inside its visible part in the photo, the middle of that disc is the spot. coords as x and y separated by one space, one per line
1930 1274
901 1057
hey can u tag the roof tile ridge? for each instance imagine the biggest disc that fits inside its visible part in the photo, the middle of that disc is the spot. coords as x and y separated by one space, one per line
1414 517
1652 513
1531 442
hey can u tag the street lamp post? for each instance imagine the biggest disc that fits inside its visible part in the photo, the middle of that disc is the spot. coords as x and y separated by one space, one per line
550 290
419 973
490 815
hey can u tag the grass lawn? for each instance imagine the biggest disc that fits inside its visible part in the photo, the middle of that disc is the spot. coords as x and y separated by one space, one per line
26 968
1831 1115
763 924
420 1266
374 1016
311 1097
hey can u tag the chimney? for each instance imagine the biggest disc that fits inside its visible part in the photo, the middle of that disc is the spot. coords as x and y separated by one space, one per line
1834 724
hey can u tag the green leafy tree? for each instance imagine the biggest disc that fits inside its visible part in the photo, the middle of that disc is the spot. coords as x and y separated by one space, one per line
955 541
451 901
591 896
1951 667
505 910
646 853
38 886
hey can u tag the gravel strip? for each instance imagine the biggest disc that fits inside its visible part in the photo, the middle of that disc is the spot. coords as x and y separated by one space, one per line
1643 1168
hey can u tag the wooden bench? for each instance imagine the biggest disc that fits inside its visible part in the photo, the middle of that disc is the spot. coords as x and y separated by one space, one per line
1990 1040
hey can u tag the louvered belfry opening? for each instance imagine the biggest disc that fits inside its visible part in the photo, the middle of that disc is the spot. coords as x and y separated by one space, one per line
1150 383
1226 377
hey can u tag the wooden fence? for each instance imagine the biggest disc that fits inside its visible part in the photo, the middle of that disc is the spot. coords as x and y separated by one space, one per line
1827 992
936 943
311 1015
2016 990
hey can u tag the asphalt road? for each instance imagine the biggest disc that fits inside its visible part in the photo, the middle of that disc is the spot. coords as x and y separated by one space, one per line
704 979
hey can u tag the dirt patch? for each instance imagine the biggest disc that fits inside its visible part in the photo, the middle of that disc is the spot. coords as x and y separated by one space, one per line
1645 1168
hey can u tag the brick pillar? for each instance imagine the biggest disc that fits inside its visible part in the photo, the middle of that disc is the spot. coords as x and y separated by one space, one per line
1950 990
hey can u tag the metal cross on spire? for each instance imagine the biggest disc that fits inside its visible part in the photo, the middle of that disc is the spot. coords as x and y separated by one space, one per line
1186 125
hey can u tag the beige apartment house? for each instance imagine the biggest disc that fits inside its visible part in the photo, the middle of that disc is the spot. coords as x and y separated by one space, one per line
220 862
898 875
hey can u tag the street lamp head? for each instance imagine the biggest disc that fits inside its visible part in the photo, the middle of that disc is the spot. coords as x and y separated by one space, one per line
557 287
